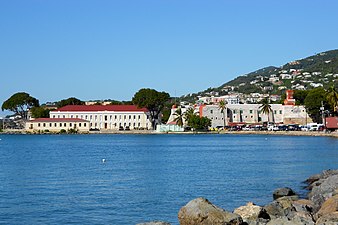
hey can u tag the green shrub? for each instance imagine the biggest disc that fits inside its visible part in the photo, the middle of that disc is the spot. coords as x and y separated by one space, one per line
63 131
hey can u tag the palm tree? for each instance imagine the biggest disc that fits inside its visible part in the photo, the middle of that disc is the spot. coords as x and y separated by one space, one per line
332 98
223 107
266 108
179 117
188 114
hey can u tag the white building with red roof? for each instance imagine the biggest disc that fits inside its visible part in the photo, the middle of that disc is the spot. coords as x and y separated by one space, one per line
106 117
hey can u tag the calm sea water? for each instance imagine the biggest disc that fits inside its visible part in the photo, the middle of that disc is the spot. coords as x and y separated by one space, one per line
60 179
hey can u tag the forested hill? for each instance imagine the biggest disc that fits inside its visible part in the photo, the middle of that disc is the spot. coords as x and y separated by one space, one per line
325 62
303 74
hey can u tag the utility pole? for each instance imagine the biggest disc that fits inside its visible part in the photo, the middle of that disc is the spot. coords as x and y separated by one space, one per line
323 115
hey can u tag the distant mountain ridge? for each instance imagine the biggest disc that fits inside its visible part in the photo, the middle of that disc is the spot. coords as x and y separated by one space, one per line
307 73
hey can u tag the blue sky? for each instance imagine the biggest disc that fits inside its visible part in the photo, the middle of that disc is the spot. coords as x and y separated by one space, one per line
110 49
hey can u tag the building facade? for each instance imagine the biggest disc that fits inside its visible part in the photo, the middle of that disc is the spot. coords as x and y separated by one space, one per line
107 117
57 124
250 114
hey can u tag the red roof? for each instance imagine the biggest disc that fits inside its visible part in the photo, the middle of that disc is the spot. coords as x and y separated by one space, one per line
47 120
97 108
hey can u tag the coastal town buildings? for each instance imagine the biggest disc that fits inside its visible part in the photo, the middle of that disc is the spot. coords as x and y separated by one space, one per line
107 117
248 114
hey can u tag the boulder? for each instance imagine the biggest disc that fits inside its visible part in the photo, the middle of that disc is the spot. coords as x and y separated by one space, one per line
281 207
313 180
286 221
282 192
329 206
252 213
325 189
202 212
154 223
328 219
303 205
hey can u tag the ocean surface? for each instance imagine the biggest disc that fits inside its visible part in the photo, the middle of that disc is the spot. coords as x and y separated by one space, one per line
61 179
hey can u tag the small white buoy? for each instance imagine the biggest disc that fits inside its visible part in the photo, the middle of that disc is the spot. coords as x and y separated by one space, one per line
266 138
103 160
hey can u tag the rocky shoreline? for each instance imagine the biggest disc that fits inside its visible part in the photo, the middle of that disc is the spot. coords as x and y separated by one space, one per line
319 208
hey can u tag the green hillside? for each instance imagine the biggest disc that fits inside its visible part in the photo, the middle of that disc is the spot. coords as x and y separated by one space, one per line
317 70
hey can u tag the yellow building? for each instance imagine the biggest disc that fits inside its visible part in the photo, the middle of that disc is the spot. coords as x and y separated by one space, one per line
57 124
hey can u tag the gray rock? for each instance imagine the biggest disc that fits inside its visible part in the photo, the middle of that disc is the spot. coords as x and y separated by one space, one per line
316 180
154 223
286 221
281 207
202 212
324 190
282 192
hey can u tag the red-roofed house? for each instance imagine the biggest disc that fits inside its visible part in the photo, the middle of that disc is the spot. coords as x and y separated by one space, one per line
57 124
106 117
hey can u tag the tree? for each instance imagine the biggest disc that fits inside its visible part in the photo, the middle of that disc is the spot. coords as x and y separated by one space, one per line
152 100
313 102
332 98
199 123
20 103
179 117
265 108
223 107
40 112
189 114
69 101
299 96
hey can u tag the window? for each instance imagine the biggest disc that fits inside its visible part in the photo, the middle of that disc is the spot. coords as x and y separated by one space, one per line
274 111
211 111
250 110
280 111
129 116
79 124
84 124
116 117
55 125
70 124
50 125
251 116
53 116
38 124
125 117
60 124
64 116
134 117
65 124
71 116
105 117
241 111
91 116
58 116
44 124
139 117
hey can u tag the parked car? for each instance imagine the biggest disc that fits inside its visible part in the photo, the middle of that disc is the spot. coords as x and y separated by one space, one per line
273 128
